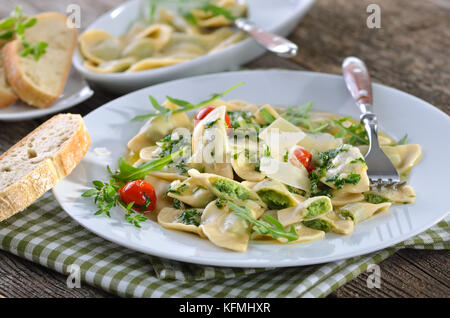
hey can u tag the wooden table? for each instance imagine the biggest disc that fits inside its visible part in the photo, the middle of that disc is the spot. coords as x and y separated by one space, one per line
409 52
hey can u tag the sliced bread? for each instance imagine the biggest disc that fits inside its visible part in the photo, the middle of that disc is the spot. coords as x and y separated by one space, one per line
40 83
7 96
37 162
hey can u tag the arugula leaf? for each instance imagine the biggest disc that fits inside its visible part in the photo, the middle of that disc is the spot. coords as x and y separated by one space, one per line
152 12
268 117
356 132
299 116
184 105
217 11
271 226
403 140
127 172
190 17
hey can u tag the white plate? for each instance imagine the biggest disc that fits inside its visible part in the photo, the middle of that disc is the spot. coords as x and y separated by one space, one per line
75 92
279 16
398 113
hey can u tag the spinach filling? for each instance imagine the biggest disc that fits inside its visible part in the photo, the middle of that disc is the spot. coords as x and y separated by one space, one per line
375 198
318 224
347 214
318 207
231 190
274 200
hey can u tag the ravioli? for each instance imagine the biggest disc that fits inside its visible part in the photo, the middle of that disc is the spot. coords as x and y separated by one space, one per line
225 229
163 36
242 175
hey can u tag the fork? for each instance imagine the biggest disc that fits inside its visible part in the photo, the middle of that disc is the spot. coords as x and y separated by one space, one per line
381 171
272 42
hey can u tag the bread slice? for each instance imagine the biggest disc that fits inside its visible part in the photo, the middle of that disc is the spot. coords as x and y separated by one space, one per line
40 83
7 96
37 162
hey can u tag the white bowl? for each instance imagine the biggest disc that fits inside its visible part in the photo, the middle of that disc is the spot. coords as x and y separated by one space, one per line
278 16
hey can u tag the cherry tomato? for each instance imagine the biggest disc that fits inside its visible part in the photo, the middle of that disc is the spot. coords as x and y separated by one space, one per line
304 157
141 193
205 111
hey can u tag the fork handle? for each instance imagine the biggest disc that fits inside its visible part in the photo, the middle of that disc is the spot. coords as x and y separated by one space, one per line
358 83
357 79
272 42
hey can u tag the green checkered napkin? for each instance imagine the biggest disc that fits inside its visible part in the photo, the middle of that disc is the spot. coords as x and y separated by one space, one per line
45 234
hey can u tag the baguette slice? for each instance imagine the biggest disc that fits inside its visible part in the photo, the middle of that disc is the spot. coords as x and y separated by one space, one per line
7 96
37 162
40 83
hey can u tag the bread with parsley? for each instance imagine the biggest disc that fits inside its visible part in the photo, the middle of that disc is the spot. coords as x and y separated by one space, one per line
39 79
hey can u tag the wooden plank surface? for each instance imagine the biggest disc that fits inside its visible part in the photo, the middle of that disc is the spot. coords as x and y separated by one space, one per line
409 52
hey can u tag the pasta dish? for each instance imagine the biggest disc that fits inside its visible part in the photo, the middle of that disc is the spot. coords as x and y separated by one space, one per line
164 37
234 171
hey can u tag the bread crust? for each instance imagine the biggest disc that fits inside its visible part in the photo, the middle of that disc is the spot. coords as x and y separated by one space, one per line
47 173
6 98
25 90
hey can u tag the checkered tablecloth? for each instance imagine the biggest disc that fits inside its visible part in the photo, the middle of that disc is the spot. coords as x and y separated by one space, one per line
46 235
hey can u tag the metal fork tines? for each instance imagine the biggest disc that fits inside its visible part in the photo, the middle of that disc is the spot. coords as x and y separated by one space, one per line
381 171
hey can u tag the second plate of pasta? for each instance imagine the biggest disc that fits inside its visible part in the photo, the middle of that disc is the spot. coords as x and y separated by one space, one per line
254 169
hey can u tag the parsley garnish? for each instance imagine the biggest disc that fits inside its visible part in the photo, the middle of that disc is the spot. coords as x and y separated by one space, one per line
323 159
352 178
133 217
221 203
270 226
316 188
286 156
358 160
105 196
190 217
180 189
169 145
241 119
211 123
267 151
183 104
16 25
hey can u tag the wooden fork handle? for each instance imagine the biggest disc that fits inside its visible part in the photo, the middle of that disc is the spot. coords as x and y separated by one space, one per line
358 82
